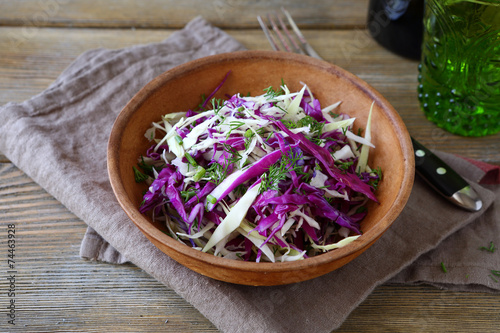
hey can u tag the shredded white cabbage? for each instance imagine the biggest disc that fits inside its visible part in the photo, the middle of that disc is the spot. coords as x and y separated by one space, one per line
213 134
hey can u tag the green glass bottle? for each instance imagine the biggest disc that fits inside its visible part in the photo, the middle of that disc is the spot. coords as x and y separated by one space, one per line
459 76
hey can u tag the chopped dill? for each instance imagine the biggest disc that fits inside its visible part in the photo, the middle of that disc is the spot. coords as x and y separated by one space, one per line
217 105
493 274
139 176
203 100
344 165
235 155
277 172
491 248
145 167
330 200
216 173
248 141
271 93
240 190
234 125
376 182
315 126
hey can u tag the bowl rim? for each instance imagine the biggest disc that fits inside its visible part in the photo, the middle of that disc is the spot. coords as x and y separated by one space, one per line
259 267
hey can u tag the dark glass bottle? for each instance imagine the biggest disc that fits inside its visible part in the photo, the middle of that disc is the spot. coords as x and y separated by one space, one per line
397 25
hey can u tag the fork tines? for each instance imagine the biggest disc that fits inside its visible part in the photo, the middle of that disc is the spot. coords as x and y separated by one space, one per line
277 33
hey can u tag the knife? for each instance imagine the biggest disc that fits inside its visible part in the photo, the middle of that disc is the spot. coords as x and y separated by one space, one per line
444 179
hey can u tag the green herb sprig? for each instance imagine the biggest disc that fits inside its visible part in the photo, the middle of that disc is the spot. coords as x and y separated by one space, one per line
493 274
234 125
375 182
491 248
139 176
272 94
316 127
278 172
217 105
216 172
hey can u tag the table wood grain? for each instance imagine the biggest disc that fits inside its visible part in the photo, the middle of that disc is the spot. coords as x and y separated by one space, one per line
163 14
57 291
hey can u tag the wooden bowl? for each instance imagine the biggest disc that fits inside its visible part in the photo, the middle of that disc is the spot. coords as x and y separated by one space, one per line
252 71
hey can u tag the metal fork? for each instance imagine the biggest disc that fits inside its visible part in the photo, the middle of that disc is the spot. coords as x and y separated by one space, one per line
288 42
439 175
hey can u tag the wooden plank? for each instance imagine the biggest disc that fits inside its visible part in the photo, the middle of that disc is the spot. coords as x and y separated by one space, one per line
29 67
424 309
175 14
60 292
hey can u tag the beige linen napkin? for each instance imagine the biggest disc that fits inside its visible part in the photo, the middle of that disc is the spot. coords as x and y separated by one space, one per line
59 139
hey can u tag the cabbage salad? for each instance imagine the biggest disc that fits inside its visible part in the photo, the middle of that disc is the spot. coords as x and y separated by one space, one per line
274 177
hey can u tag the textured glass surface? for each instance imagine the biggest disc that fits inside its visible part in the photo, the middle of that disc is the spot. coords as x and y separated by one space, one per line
459 77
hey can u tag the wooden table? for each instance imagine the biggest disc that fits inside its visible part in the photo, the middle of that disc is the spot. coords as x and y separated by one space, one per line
57 291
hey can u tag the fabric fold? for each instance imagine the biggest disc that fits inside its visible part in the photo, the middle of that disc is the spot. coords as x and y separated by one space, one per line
59 139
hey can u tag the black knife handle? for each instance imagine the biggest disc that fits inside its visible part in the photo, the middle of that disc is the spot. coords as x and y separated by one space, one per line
436 172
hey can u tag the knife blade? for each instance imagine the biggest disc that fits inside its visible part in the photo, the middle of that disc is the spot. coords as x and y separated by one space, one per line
444 179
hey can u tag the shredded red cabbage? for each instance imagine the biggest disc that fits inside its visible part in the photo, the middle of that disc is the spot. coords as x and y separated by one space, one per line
262 175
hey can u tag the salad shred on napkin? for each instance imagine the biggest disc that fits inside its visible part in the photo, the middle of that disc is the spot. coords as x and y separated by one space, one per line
268 178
